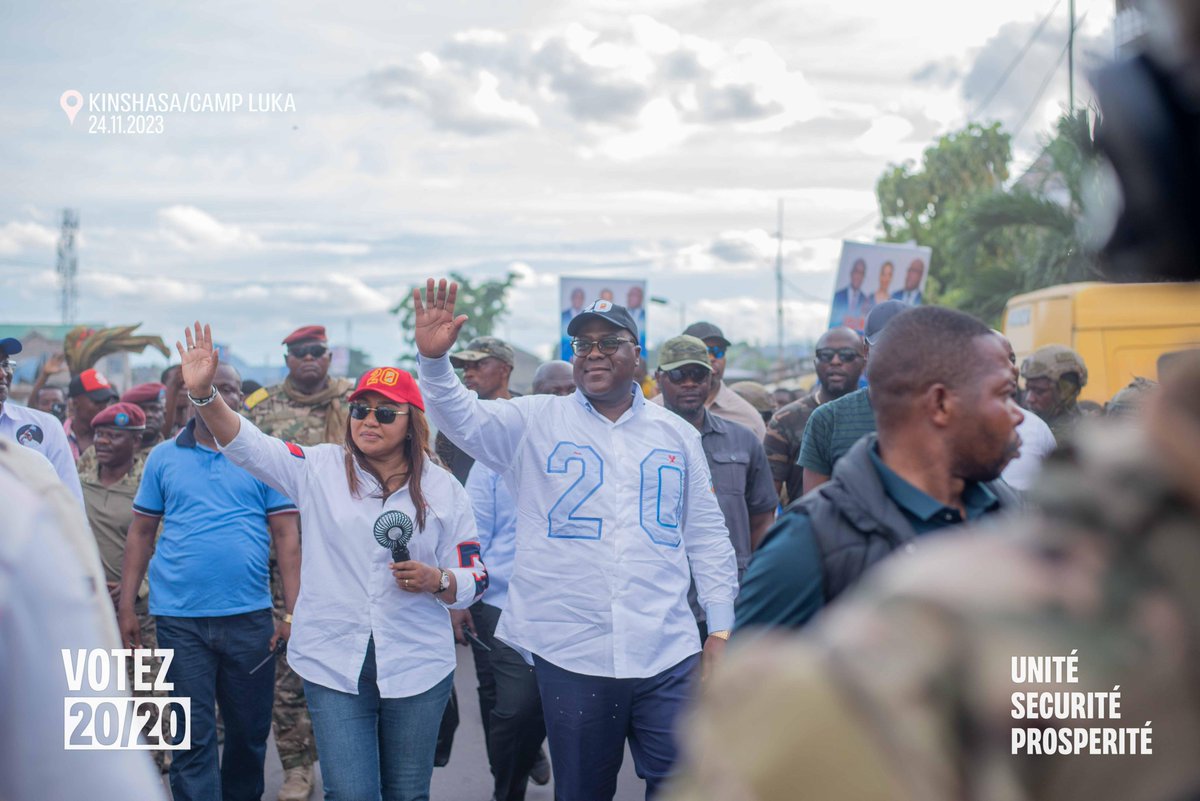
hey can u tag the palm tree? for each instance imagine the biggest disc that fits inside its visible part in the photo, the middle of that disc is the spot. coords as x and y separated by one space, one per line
1027 237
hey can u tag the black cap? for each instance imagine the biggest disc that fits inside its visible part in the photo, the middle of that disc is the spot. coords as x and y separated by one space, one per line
880 316
604 310
706 331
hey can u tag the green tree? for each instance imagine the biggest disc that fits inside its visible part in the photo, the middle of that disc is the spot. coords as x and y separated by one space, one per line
990 241
1027 237
923 203
485 303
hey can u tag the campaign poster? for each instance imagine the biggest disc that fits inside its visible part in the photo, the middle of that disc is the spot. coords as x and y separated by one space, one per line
870 273
576 294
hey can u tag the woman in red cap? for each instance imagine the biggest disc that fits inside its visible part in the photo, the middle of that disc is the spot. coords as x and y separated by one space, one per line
372 637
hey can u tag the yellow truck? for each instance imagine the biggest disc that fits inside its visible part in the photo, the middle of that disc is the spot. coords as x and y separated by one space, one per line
1120 330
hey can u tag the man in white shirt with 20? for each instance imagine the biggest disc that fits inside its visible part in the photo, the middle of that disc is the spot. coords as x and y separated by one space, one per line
614 511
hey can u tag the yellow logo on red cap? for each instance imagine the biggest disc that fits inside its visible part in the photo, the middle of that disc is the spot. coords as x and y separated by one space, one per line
387 376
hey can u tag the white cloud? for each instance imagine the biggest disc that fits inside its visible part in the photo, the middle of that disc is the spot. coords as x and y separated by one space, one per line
190 228
627 90
21 237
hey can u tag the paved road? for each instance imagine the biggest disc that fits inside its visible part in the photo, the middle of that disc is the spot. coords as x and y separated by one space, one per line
466 778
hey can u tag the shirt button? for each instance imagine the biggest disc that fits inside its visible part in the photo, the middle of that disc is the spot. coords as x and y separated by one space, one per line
909 547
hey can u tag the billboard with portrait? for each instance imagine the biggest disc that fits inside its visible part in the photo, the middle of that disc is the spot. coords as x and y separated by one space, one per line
870 273
576 294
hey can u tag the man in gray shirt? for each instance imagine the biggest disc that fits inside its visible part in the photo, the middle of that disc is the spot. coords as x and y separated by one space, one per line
741 474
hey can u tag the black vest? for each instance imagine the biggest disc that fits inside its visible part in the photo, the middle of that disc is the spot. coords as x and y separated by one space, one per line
855 523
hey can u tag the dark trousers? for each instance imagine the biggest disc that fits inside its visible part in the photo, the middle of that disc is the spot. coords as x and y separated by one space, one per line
213 658
588 719
510 707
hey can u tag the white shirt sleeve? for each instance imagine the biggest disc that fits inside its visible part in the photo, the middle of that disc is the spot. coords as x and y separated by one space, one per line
58 451
713 562
459 551
280 464
488 431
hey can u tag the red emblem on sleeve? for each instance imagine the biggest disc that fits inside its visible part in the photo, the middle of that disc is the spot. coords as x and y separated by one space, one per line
295 450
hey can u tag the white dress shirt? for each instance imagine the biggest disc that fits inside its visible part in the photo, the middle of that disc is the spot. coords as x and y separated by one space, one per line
496 521
347 591
1037 442
43 433
609 515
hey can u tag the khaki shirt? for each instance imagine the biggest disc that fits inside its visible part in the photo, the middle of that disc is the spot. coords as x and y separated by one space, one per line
110 513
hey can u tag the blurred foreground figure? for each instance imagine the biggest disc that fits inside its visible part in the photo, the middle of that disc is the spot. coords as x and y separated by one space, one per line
51 597
905 690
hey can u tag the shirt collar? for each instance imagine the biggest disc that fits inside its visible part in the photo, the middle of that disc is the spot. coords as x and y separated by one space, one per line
712 424
634 389
976 497
186 438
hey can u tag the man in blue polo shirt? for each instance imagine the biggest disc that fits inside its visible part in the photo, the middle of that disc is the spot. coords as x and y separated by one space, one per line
940 384
210 598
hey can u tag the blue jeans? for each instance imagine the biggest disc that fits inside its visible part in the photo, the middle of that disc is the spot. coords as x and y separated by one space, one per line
373 748
213 658
588 719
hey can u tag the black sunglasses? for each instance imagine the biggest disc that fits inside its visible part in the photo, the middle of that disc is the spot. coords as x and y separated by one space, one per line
847 355
608 346
316 351
383 416
692 372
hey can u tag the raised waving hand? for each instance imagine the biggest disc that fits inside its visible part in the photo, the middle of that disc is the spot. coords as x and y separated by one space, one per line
436 328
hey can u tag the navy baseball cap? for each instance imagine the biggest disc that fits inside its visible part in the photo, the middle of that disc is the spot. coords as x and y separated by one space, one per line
10 346
609 312
880 316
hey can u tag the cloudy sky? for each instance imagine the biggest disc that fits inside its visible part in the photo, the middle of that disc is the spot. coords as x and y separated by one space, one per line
548 137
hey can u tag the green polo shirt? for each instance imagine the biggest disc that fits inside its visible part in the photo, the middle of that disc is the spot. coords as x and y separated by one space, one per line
832 430
784 587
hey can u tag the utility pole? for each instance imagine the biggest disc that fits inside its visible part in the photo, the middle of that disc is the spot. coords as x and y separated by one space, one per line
68 265
1071 59
779 285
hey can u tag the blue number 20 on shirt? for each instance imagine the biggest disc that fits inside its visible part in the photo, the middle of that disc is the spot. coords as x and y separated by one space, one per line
660 500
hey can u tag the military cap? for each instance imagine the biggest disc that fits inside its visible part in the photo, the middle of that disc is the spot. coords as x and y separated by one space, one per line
1129 399
1053 362
681 350
145 393
604 310
306 332
755 394
123 415
481 348
92 383
704 330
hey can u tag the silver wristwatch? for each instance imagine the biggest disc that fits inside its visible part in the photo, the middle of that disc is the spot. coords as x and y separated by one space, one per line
444 584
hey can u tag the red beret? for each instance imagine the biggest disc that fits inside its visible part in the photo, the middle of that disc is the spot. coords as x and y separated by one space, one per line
145 393
394 384
304 332
127 416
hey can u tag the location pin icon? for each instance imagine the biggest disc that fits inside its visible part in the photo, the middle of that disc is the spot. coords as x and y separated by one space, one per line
71 101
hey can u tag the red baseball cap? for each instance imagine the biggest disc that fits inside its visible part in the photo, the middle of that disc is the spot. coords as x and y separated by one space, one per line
392 383
306 332
93 384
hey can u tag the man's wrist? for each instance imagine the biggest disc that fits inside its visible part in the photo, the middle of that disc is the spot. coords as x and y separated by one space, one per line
723 634
287 618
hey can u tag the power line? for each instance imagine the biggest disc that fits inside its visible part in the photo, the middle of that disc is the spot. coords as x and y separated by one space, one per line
1037 98
1008 71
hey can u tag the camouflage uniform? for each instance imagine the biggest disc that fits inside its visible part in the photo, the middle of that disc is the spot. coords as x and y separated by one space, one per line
785 434
903 691
279 414
1057 362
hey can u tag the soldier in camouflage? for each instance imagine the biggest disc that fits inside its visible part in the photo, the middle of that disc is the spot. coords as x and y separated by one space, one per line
1054 376
308 408
840 359
1129 399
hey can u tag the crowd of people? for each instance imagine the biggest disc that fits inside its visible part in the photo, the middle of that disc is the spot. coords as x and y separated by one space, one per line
596 548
